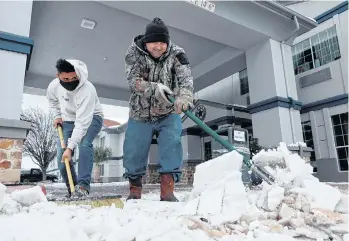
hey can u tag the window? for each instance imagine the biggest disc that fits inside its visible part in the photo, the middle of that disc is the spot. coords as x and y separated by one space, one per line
36 172
243 82
308 139
101 169
208 151
316 51
102 141
340 131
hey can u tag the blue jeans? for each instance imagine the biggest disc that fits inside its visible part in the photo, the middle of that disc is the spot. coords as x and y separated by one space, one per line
137 143
85 153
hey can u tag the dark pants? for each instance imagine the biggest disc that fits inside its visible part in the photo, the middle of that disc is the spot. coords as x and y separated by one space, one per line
85 161
137 143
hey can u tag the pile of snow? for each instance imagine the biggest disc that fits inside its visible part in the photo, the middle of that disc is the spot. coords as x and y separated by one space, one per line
28 197
219 207
2 194
297 144
19 200
296 205
218 193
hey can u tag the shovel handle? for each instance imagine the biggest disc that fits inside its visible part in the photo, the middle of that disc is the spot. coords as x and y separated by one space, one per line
212 133
66 161
246 157
60 134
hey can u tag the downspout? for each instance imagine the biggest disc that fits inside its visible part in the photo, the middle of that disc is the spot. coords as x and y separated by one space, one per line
285 77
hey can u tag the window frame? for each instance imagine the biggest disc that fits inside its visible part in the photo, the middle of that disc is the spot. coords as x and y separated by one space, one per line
343 135
208 150
316 44
244 87
101 170
312 157
102 141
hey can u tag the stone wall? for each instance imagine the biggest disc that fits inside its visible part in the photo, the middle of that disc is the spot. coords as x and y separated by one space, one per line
152 176
10 159
189 170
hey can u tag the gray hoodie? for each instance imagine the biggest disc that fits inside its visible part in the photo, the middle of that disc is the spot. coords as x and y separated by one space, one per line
79 105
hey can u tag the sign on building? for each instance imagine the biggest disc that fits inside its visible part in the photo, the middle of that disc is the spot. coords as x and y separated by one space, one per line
239 136
203 4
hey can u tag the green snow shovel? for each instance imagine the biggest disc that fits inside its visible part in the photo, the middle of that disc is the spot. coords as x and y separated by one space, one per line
258 171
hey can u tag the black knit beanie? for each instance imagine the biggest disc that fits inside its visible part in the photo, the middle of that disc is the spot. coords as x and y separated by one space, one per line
156 31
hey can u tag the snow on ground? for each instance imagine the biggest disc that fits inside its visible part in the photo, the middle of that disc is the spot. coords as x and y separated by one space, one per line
109 184
297 144
218 208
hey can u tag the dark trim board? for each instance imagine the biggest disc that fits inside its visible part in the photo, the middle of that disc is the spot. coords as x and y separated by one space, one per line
278 101
117 158
340 8
18 44
239 108
198 102
213 124
243 122
273 102
325 103
224 106
16 38
269 104
212 103
191 131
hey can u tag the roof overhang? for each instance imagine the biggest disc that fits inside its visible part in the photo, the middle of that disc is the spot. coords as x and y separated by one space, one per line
231 23
214 41
277 8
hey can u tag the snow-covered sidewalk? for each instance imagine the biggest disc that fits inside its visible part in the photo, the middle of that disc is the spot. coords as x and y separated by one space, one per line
218 208
109 184
143 219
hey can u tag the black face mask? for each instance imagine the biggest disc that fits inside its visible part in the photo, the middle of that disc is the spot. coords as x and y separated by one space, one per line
70 85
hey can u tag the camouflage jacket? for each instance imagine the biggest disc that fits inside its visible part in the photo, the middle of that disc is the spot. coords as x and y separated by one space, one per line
143 73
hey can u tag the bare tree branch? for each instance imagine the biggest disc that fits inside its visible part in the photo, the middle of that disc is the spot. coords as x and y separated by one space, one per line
41 141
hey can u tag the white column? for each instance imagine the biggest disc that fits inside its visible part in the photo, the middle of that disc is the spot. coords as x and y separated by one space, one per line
315 132
15 18
12 71
271 82
342 34
329 133
15 46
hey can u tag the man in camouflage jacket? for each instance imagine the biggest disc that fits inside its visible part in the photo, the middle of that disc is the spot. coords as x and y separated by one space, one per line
156 67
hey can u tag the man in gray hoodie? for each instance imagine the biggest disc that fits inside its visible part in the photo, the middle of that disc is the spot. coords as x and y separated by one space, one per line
156 67
75 105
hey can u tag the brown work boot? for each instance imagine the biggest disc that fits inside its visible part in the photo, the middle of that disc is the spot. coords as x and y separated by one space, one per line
167 187
135 189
